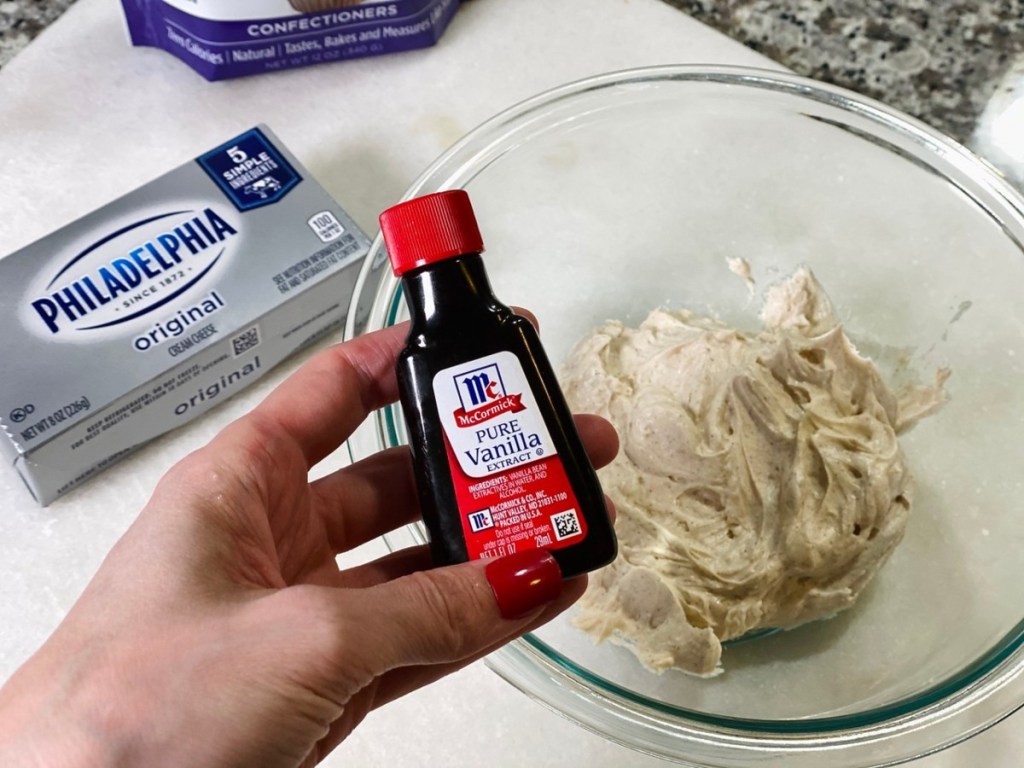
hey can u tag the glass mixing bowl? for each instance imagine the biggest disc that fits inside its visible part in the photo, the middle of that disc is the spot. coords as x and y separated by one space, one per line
611 196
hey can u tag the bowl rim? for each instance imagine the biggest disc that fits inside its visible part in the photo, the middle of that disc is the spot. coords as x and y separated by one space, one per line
944 714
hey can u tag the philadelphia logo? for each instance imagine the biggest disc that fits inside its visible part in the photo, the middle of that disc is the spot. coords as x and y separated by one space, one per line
133 271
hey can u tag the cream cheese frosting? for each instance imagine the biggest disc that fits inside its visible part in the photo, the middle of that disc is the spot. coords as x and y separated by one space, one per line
760 482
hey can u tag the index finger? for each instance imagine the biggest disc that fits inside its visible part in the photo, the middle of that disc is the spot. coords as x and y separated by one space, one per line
323 402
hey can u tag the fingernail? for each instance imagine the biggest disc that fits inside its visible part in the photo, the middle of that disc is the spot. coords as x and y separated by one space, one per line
524 581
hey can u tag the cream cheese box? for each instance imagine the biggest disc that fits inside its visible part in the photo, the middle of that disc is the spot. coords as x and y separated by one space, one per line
146 313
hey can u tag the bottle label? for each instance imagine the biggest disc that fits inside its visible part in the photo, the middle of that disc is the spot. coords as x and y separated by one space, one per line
511 486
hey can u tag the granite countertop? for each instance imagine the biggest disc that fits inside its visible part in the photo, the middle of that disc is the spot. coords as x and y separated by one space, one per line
939 60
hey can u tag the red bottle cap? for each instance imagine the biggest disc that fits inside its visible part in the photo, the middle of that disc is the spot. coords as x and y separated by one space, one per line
428 229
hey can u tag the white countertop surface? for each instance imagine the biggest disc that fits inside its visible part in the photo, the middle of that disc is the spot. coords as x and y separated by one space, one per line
85 118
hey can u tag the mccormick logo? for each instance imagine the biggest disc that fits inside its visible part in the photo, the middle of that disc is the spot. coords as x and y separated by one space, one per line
132 271
482 395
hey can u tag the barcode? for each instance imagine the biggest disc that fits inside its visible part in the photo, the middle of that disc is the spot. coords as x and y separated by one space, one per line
246 340
566 524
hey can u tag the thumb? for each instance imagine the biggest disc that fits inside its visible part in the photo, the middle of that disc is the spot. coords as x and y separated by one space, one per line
453 613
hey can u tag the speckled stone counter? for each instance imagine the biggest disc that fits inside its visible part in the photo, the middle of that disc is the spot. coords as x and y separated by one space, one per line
22 20
940 60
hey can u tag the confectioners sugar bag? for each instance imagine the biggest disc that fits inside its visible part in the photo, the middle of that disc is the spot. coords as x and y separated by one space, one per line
226 38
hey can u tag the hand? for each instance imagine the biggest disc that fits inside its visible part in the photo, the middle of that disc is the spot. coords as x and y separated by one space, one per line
219 631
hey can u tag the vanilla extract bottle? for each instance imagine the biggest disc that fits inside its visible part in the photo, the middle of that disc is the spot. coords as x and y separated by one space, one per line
499 465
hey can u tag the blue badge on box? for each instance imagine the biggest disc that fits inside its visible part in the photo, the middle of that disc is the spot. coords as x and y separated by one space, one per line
250 171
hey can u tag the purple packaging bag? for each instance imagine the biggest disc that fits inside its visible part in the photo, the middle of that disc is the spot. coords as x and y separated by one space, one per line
221 39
